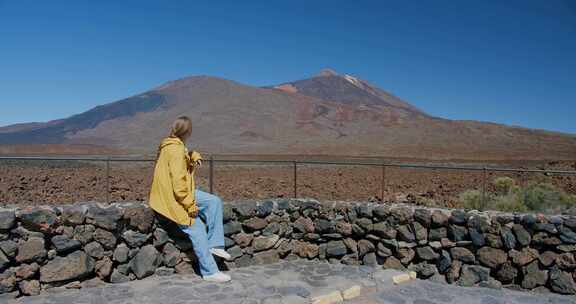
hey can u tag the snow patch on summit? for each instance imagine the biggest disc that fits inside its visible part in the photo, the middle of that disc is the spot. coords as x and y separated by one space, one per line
353 80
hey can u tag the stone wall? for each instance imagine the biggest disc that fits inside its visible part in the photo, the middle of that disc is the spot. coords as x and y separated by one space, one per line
85 244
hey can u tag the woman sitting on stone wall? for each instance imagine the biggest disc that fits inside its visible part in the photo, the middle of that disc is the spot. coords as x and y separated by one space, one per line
197 213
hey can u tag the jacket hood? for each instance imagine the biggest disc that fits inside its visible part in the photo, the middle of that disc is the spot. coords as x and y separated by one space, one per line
170 141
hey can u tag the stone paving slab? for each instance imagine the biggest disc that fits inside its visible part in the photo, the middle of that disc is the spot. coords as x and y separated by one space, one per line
428 292
289 282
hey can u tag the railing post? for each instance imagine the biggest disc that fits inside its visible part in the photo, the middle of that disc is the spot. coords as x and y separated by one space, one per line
484 188
108 179
383 182
211 174
295 163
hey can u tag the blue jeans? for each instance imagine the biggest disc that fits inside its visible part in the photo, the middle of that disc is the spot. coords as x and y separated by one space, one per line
207 232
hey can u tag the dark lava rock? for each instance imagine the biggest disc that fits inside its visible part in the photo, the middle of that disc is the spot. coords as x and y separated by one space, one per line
9 247
7 220
84 233
393 263
170 255
462 254
266 257
403 214
562 282
420 231
145 262
424 270
458 217
255 224
364 210
533 276
325 226
118 277
4 261
522 235
231 228
381 212
228 213
140 217
548 258
439 219
76 265
423 216
39 219
444 261
383 230
264 242
477 238
491 257
406 234
94 249
265 208
543 239
508 238
523 257
160 237
567 235
528 220
472 274
103 268
134 238
74 214
63 244
336 249
457 233
31 250
507 273
106 218
245 210
106 238
120 254
437 234
304 225
426 253
365 246
272 228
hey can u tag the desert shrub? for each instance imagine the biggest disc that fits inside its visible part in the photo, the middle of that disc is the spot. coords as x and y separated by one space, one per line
504 184
542 196
509 197
511 202
472 199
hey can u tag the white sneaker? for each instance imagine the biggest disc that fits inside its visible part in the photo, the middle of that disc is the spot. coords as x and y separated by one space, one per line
218 277
221 253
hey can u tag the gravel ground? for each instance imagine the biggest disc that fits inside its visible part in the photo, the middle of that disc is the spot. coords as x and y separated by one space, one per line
40 182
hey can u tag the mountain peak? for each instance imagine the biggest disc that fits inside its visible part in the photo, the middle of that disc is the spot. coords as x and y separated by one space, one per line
327 72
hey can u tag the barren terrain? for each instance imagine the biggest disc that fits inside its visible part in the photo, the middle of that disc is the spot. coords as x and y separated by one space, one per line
34 182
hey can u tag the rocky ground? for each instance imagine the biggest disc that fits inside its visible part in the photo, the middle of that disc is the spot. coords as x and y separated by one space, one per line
289 282
39 182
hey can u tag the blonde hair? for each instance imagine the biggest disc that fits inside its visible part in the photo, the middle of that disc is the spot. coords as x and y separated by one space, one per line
181 128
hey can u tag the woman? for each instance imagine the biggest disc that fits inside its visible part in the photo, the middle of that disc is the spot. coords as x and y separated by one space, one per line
174 196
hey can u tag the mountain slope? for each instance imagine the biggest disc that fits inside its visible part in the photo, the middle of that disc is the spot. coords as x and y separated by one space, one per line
327 114
346 89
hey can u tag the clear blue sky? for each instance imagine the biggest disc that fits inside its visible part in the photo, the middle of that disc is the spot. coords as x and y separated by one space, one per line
511 62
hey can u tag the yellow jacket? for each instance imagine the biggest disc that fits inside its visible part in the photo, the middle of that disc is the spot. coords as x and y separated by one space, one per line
172 192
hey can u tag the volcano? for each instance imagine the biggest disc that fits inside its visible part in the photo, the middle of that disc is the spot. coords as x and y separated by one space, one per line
327 114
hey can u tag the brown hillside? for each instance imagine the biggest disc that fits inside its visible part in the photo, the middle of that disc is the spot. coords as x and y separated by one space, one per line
329 114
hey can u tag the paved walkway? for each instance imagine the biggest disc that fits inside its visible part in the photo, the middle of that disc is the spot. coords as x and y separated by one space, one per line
290 282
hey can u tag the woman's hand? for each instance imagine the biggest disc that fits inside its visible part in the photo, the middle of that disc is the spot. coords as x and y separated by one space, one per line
193 211
196 158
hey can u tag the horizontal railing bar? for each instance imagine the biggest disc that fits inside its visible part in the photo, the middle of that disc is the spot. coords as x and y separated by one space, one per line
302 162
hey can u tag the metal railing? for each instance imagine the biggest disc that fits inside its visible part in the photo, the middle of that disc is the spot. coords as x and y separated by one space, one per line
295 163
